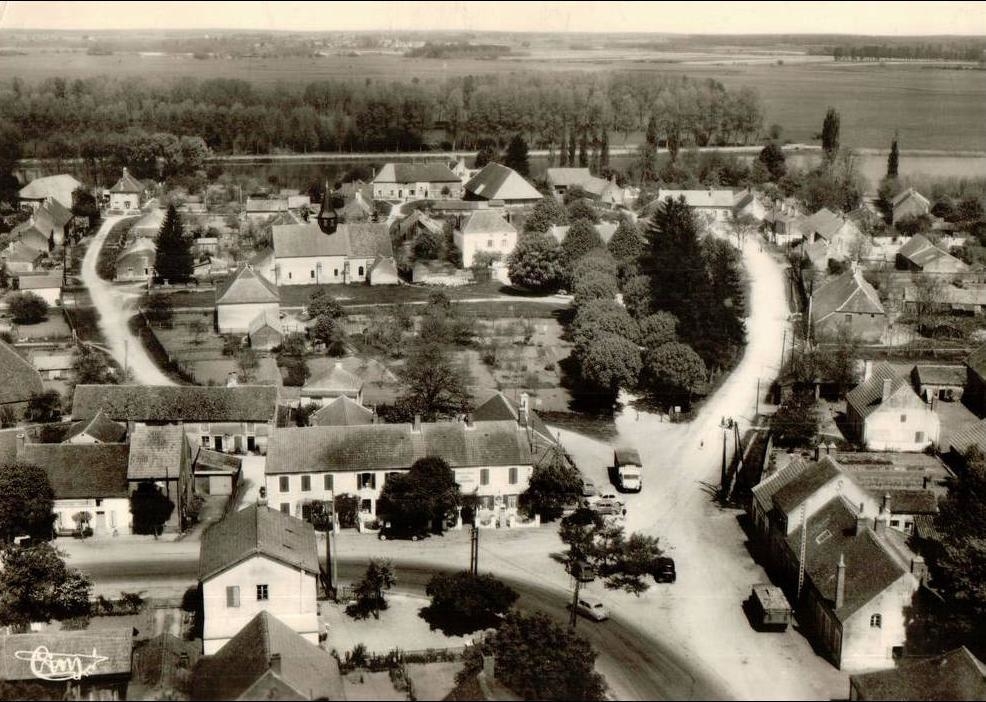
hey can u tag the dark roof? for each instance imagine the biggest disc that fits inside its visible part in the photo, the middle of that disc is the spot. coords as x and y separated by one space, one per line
207 459
940 375
972 435
764 491
396 446
487 222
870 569
415 173
306 671
977 362
246 286
81 471
59 214
501 407
172 403
368 239
804 485
100 427
18 378
113 645
497 182
257 530
156 452
868 396
910 501
303 240
956 675
849 293
341 412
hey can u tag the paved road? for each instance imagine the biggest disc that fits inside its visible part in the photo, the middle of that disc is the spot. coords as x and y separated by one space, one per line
636 665
115 306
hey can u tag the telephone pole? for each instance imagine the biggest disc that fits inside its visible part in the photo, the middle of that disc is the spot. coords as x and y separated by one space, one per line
474 551
573 619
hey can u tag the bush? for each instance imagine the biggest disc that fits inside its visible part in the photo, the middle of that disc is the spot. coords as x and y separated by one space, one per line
28 308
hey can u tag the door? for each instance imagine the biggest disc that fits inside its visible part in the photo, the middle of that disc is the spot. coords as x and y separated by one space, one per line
219 443
100 522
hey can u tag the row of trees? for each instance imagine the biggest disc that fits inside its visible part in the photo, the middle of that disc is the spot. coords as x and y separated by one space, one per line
59 118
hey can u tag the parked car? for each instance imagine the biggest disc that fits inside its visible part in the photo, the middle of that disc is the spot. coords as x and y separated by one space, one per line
663 570
589 489
389 531
581 570
608 504
591 607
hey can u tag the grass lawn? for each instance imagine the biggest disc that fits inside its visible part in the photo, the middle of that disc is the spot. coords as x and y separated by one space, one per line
55 327
85 322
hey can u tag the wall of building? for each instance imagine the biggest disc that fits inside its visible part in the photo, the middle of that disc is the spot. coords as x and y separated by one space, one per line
309 270
134 268
265 338
866 327
234 437
107 514
416 191
502 243
124 201
866 647
840 484
291 598
53 296
884 430
235 319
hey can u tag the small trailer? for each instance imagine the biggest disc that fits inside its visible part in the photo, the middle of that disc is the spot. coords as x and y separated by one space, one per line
627 468
770 609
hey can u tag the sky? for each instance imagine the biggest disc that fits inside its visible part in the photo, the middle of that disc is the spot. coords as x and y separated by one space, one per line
877 18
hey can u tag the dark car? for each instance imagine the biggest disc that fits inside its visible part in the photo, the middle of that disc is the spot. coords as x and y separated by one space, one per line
663 570
388 531
581 570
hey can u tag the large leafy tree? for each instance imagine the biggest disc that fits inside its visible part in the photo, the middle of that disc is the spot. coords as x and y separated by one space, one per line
658 329
554 484
462 602
536 263
369 591
593 285
582 208
830 134
45 406
421 499
151 509
627 244
90 367
539 660
36 586
321 303
636 291
609 362
174 261
602 316
547 212
27 308
84 205
436 386
673 371
772 157
581 238
795 423
26 500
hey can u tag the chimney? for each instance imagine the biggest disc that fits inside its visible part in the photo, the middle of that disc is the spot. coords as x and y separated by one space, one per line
919 569
885 505
262 496
231 379
489 667
21 439
275 663
417 424
887 385
124 170
860 519
840 582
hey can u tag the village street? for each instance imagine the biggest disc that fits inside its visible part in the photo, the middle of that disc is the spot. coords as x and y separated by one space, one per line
115 307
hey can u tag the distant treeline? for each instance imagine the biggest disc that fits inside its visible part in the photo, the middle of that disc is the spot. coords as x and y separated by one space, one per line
973 51
458 50
58 118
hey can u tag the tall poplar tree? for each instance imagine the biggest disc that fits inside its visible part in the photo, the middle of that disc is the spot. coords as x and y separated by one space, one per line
174 261
830 134
893 161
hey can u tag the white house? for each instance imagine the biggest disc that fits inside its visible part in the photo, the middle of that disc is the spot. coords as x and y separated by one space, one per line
57 187
493 460
47 287
21 257
485 231
257 560
416 181
87 479
136 261
241 298
304 255
715 204
909 203
127 193
886 414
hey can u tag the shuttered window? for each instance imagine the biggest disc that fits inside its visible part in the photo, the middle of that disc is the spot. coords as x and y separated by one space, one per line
233 596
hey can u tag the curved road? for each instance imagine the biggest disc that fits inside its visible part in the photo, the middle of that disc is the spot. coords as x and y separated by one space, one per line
115 306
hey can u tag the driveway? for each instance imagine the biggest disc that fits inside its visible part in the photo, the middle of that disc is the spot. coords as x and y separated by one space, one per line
115 306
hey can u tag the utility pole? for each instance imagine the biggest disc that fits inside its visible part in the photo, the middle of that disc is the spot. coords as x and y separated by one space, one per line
756 402
474 550
722 476
126 359
573 618
783 348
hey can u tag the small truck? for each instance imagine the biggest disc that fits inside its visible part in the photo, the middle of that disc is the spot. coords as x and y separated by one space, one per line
627 470
769 608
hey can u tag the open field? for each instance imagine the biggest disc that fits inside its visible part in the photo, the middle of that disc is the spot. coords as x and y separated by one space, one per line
873 99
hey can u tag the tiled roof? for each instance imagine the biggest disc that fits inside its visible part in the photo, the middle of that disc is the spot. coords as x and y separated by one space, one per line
20 252
972 435
127 184
568 177
306 671
850 292
172 403
940 375
805 484
100 427
910 501
955 675
336 380
341 412
764 491
870 568
156 452
867 396
304 240
700 198
368 239
207 459
907 194
58 187
115 645
396 446
487 222
81 471
58 213
921 252
18 378
497 182
266 318
415 173
977 361
246 286
499 408
257 530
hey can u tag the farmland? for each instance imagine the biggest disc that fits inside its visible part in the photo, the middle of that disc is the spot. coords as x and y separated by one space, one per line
874 99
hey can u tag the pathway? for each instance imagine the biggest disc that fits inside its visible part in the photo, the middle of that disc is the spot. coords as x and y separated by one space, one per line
115 307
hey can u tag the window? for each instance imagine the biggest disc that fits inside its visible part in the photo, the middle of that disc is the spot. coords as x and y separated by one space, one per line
285 483
360 271
823 536
289 275
484 476
876 621
262 593
251 443
504 244
489 243
335 272
895 522
366 505
286 507
903 418
233 596
311 274
306 483
512 476
919 437
328 483
367 481
205 441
